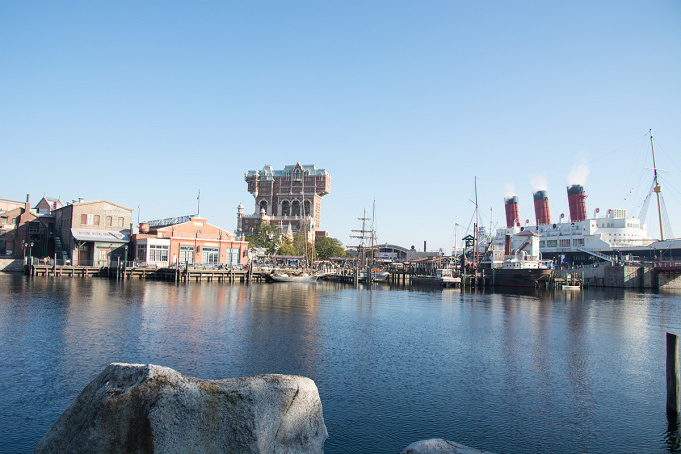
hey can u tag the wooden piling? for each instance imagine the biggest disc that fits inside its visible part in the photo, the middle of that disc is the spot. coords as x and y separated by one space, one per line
673 381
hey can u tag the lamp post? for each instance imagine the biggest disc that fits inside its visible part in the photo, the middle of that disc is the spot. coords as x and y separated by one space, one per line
196 247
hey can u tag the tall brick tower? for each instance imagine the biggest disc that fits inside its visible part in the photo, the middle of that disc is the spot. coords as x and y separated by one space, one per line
286 197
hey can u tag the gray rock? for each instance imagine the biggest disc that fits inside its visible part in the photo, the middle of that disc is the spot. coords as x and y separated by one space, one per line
134 408
440 446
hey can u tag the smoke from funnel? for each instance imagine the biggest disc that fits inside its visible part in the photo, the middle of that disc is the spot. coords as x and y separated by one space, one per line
509 191
539 183
580 171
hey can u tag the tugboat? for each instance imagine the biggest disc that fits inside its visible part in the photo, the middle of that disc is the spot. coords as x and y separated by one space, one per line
522 265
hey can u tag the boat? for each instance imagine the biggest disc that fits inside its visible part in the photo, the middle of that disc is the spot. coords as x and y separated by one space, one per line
294 278
612 236
523 265
376 275
571 287
444 277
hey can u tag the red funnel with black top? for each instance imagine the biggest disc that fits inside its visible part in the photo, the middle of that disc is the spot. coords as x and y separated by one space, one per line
577 201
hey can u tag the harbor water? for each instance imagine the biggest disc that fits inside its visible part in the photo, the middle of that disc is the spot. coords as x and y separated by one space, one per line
532 372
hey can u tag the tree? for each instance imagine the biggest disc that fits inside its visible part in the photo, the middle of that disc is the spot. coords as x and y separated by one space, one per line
326 247
302 248
286 249
266 236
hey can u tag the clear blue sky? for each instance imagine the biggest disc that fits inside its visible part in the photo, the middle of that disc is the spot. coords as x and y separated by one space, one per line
404 102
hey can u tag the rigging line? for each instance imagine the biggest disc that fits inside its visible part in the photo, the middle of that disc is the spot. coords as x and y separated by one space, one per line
608 153
665 219
468 229
595 157
673 192
667 181
666 154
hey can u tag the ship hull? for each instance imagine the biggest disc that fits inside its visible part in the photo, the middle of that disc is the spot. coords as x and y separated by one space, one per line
524 277
287 278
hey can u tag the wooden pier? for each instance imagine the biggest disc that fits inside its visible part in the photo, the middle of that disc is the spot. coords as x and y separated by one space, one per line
165 274
408 278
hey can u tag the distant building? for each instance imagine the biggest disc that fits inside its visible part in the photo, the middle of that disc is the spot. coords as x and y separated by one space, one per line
187 240
47 206
7 205
394 253
92 233
290 198
25 232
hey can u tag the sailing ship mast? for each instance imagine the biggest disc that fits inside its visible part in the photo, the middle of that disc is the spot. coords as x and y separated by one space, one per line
373 233
309 257
657 189
475 230
455 227
362 236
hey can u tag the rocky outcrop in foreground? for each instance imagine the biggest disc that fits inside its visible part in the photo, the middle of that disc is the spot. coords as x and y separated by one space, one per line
439 446
134 408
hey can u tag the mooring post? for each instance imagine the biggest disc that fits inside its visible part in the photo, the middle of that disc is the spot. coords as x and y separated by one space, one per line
673 381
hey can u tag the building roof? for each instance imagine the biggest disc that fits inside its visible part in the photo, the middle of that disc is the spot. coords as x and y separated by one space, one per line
100 235
269 172
94 201
12 201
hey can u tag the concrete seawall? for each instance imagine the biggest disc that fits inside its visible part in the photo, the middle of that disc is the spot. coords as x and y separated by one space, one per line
11 266
625 276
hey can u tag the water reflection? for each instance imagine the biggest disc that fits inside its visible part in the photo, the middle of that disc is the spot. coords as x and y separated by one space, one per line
514 372
673 434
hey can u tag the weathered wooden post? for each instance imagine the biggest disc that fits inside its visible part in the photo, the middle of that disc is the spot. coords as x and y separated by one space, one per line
673 396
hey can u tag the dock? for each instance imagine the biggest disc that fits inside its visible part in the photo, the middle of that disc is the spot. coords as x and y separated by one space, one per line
658 276
184 275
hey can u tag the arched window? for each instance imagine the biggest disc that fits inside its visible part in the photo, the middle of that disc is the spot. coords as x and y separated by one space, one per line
295 208
285 208
307 208
263 205
297 174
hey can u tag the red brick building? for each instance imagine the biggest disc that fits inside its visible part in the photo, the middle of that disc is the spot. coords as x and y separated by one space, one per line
92 233
188 239
26 232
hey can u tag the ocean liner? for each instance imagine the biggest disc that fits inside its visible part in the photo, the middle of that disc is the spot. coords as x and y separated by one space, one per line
612 237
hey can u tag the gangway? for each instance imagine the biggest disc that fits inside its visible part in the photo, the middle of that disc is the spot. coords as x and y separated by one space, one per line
597 254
